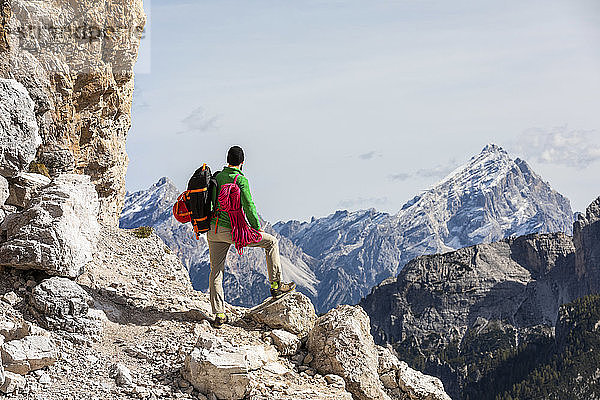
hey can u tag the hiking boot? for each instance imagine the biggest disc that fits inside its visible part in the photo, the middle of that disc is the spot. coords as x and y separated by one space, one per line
220 320
278 289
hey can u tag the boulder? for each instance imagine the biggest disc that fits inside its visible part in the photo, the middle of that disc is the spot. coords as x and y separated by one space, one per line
286 343
20 137
12 382
294 312
63 304
28 354
58 232
419 386
23 188
121 374
223 369
13 329
3 190
402 382
341 344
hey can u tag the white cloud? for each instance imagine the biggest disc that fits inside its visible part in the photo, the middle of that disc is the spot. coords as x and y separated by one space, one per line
199 121
560 146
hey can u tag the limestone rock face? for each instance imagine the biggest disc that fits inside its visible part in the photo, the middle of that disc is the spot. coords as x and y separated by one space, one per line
63 304
509 290
342 344
28 354
523 280
81 85
20 137
23 188
295 313
58 232
586 231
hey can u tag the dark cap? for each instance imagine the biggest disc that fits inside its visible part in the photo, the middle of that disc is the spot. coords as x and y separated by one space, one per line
235 155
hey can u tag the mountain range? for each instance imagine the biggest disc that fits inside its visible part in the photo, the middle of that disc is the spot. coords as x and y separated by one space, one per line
337 259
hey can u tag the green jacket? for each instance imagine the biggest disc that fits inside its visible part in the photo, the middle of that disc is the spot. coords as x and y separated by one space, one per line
227 176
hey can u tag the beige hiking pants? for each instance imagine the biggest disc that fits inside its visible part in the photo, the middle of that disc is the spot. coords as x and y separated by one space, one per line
218 246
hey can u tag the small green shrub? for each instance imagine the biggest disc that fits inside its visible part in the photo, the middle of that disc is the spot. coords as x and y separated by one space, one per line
143 232
39 168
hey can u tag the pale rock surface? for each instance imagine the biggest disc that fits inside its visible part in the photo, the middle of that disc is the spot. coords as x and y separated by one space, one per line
23 188
121 374
12 382
28 354
13 329
223 369
81 87
63 304
294 313
20 137
286 343
419 385
401 381
3 191
342 344
58 232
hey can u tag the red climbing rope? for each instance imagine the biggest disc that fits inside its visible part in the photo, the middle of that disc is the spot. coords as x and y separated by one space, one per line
230 201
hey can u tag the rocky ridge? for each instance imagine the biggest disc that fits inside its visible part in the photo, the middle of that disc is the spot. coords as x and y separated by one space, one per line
132 326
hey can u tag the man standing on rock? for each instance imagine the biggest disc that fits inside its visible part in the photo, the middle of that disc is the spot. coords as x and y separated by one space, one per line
220 238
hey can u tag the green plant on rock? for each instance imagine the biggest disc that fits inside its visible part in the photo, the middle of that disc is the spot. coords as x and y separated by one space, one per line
39 168
143 232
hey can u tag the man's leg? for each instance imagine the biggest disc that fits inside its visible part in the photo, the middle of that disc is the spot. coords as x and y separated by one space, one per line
217 252
271 245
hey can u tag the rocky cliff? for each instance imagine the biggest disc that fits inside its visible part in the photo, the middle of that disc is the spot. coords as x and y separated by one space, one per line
586 232
446 311
75 59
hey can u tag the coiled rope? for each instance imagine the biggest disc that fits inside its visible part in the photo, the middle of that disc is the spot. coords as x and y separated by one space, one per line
230 201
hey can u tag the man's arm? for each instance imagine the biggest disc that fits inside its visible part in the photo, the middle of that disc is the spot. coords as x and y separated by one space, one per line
247 203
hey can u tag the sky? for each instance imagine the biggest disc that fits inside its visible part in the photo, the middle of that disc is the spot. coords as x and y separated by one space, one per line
360 104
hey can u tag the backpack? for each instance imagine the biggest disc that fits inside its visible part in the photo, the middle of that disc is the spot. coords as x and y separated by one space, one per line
195 205
231 202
